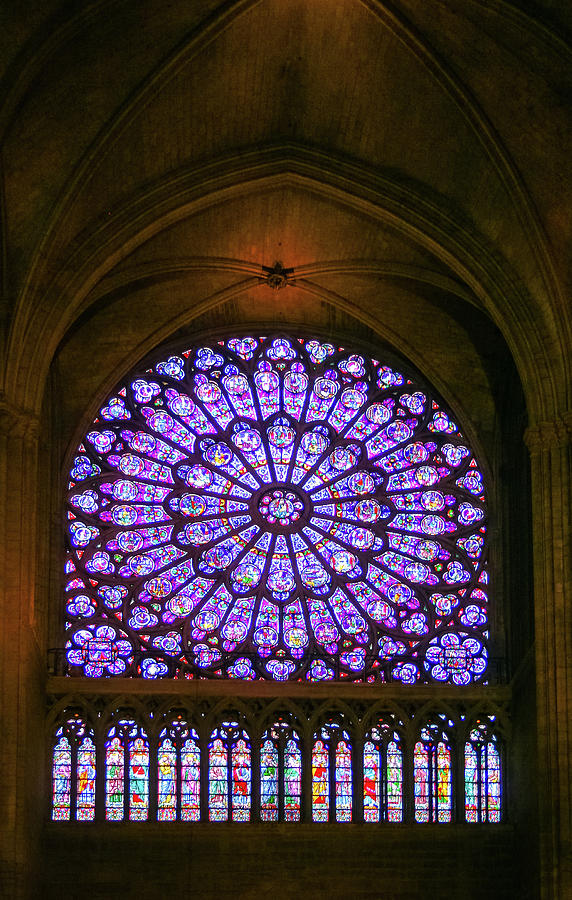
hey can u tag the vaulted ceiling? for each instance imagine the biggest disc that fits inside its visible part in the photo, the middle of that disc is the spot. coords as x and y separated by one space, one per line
409 161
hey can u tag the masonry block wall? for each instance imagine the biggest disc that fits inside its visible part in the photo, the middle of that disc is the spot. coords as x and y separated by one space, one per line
283 861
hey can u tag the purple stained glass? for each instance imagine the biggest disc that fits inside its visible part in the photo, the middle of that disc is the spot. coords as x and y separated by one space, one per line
432 775
178 773
229 774
280 774
276 508
332 765
482 775
383 775
127 772
73 772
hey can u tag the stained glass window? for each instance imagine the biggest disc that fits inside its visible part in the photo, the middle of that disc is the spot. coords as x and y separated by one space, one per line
320 782
482 775
332 774
280 774
276 508
335 762
178 769
73 772
126 772
230 774
61 778
432 775
382 775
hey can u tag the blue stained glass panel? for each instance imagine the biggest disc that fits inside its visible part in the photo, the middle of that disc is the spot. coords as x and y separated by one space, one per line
301 511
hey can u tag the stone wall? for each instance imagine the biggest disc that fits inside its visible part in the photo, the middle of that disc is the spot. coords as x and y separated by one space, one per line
283 861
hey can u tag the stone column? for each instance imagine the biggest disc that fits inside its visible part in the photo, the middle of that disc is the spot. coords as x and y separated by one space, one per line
550 445
22 672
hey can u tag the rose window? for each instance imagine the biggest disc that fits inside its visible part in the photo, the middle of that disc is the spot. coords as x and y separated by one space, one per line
276 508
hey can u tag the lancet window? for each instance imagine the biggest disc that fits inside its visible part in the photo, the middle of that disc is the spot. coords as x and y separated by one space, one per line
433 776
73 772
383 774
230 774
286 771
482 775
280 774
127 772
179 782
332 774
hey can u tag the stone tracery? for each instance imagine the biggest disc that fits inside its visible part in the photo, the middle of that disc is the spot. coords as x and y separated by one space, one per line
276 508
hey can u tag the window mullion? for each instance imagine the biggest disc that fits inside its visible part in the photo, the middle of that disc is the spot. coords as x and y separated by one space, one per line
432 775
204 774
357 780
73 776
458 779
307 781
255 777
229 743
153 777
332 747
126 776
281 776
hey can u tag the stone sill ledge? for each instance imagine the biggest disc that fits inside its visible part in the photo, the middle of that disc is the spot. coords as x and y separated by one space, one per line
58 686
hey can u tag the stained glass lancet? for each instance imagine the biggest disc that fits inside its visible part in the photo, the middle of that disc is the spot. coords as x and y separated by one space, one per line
276 508
383 774
432 775
320 781
230 774
332 776
178 767
73 772
126 772
280 774
482 775
225 763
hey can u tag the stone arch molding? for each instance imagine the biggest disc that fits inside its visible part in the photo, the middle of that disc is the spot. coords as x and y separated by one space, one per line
304 286
467 254
39 54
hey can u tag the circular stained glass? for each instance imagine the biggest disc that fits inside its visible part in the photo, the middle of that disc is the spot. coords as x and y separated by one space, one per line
276 508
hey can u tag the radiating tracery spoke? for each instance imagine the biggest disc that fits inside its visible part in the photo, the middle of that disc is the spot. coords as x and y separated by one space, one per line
275 508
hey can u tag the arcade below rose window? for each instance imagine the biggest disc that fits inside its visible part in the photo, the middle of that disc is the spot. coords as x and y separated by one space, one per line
172 769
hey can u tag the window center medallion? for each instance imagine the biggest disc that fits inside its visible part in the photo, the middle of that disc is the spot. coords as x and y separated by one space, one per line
280 506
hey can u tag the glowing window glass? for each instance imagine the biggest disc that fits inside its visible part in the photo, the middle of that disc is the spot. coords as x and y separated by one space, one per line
320 782
332 777
432 776
280 774
178 769
482 775
277 508
382 775
73 772
61 779
127 772
230 774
